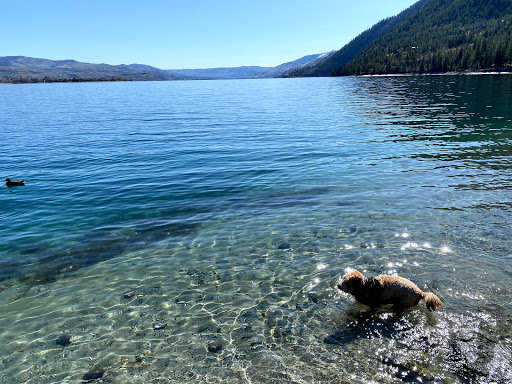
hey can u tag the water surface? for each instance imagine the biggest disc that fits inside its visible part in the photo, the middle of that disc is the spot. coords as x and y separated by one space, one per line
195 231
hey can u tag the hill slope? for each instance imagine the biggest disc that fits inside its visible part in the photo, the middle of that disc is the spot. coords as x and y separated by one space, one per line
30 69
220 73
326 66
21 68
246 72
442 36
299 63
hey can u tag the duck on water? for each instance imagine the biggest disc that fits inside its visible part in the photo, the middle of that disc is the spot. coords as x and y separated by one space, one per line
14 183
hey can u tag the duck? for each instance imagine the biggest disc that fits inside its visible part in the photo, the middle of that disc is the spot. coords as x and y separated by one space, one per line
14 183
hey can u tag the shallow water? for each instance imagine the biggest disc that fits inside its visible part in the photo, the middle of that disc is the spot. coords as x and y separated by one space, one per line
195 231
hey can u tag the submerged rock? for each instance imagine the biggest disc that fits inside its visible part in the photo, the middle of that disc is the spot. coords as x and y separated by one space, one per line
209 328
63 340
93 374
301 307
215 346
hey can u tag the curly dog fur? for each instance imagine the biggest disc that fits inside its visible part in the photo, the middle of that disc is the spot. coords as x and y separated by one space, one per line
382 290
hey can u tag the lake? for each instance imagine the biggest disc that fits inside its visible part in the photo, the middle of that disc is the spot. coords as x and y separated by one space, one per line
194 231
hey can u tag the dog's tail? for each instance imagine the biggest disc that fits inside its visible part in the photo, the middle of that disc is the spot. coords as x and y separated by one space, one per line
432 301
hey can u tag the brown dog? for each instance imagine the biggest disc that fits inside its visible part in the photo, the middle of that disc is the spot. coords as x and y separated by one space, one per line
382 290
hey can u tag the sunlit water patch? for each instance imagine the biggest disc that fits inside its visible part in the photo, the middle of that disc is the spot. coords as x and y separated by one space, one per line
195 231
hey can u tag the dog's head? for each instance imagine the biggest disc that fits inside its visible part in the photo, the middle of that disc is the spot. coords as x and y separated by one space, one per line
351 282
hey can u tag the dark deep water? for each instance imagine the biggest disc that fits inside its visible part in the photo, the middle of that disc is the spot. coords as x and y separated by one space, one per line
195 231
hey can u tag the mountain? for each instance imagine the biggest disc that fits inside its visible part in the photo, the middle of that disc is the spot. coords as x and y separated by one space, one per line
328 64
442 36
299 63
246 72
219 73
29 69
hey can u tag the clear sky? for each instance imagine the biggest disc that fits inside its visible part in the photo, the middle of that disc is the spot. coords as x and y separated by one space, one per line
188 33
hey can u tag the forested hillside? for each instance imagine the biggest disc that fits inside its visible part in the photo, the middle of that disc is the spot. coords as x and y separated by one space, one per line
442 36
326 66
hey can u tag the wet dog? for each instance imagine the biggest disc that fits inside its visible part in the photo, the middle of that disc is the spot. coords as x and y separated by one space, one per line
382 290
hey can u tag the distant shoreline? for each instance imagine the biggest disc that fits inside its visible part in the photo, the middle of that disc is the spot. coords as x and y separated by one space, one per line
470 73
115 80
49 80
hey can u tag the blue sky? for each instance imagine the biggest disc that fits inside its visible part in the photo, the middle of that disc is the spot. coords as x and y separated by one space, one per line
185 34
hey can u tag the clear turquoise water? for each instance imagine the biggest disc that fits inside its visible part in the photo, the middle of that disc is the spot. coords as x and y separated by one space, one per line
195 231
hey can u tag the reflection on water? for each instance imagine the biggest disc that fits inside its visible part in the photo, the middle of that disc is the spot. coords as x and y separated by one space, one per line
464 122
213 252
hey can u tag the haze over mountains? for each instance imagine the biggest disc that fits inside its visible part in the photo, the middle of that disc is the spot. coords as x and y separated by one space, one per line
248 72
431 36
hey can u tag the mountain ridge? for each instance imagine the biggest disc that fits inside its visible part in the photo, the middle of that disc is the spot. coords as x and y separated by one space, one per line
31 69
242 72
23 69
248 72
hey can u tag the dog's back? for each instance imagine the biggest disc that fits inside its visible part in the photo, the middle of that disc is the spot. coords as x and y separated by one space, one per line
382 290
400 292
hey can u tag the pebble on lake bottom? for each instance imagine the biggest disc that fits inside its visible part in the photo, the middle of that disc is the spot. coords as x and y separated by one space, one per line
215 347
63 340
93 374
